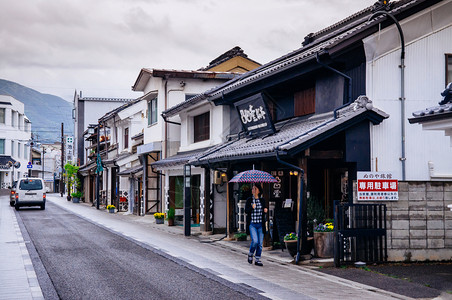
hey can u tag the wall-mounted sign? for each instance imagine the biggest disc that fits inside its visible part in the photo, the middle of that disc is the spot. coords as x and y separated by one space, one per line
254 115
377 186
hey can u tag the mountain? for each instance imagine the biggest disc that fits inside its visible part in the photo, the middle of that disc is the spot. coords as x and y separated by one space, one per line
46 112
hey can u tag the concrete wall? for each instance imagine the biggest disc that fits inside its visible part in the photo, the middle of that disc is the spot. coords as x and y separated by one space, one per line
420 224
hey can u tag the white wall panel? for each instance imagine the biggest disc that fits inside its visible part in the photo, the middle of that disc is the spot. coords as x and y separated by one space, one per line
424 81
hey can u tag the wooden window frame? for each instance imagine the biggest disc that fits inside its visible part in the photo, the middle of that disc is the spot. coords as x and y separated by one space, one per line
447 57
304 102
201 127
126 138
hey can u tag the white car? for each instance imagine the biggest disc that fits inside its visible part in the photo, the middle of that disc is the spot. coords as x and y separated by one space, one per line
30 192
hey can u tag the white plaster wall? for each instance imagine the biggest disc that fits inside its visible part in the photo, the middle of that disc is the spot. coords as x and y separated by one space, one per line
424 81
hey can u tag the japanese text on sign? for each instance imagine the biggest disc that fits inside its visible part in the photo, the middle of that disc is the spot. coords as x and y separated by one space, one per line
377 186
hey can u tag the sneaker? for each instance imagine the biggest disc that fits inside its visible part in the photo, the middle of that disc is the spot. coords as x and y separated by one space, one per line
258 263
250 259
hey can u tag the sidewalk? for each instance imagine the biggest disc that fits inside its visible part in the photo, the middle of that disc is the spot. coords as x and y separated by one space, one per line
17 276
278 279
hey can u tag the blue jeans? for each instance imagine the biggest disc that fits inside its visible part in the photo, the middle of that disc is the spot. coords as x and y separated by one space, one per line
257 238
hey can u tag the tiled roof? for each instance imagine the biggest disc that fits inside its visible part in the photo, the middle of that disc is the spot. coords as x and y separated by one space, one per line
106 99
178 160
294 133
322 41
131 170
432 113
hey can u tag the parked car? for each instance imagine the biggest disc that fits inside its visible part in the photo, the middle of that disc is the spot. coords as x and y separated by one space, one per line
12 193
30 192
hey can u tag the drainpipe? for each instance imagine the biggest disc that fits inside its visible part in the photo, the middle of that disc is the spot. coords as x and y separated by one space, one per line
302 220
402 83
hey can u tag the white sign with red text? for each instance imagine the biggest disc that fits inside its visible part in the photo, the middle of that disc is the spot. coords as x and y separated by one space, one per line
377 186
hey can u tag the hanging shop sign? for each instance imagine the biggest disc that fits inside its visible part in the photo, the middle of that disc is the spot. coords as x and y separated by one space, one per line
377 186
254 115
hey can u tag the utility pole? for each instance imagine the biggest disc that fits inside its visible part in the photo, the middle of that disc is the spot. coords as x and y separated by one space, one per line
97 167
62 161
31 155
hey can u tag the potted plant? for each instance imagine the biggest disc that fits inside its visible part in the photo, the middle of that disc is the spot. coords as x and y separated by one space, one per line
76 197
159 217
324 239
290 240
170 215
111 208
240 236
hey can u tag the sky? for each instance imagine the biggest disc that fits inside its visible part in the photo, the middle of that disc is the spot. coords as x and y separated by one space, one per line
99 47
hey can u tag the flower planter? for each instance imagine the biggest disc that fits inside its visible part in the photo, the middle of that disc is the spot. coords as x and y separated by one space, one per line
75 200
170 222
159 221
111 210
324 244
291 246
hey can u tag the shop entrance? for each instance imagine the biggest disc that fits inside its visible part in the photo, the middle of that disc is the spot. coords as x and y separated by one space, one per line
176 197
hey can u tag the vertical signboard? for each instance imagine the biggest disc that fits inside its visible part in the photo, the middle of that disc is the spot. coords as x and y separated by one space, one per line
69 155
377 186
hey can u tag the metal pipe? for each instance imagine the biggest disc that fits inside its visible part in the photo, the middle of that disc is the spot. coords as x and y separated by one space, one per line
402 83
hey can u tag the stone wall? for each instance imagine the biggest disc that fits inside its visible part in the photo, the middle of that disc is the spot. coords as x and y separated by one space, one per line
419 224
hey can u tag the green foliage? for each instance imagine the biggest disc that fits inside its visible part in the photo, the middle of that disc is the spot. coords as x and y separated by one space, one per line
240 236
291 237
73 181
244 191
170 214
77 194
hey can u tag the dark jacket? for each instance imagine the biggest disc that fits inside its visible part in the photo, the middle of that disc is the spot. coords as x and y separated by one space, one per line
249 209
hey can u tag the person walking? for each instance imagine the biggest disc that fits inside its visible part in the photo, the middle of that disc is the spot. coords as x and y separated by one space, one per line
255 210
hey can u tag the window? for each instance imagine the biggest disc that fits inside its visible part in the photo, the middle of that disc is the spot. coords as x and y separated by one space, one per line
18 150
30 184
448 68
2 116
12 148
126 138
201 128
152 111
2 146
304 102
13 119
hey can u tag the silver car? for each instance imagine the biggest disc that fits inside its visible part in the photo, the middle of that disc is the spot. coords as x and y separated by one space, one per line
30 192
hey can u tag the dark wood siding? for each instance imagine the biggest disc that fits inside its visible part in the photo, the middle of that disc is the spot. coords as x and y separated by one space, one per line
304 102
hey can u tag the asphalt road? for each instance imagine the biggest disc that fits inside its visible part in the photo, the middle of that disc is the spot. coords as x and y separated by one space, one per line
81 260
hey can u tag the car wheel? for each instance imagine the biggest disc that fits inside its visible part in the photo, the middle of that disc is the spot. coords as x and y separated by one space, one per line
11 203
43 206
16 206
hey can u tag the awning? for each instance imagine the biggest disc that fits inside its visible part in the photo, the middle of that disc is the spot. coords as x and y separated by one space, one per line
295 135
4 159
87 169
131 171
178 160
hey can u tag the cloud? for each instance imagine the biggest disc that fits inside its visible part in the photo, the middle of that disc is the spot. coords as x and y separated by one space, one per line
57 46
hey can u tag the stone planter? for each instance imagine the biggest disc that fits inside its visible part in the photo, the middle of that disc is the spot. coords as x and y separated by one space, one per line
111 210
75 200
324 244
159 221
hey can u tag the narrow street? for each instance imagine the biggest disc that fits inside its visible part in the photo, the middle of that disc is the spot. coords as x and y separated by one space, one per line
85 261
91 254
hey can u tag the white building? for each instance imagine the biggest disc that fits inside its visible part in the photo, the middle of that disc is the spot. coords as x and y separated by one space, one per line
87 110
15 134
